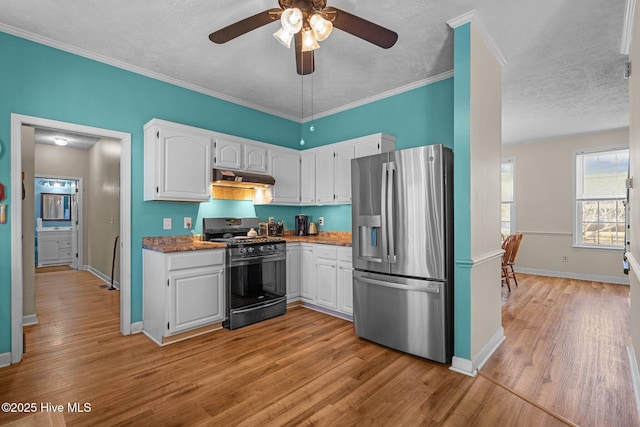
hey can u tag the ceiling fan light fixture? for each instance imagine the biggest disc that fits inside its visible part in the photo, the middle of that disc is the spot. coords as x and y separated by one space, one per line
291 20
309 41
284 37
321 27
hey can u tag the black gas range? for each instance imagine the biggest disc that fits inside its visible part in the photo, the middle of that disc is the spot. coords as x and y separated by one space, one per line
255 271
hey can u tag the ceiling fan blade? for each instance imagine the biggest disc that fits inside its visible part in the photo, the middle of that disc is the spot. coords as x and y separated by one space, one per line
239 28
305 61
366 30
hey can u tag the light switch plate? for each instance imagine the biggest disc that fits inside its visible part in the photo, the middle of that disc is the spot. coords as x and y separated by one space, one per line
166 224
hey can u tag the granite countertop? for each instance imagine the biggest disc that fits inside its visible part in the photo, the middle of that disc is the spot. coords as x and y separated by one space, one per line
179 244
338 238
193 242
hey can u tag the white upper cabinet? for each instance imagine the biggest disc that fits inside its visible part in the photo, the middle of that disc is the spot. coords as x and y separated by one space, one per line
328 178
228 153
240 154
325 176
308 178
373 144
255 158
342 185
285 168
177 162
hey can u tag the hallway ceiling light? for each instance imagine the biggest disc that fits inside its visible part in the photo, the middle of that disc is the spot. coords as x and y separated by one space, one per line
60 141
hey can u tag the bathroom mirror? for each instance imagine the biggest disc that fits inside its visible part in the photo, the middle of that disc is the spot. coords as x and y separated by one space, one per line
56 207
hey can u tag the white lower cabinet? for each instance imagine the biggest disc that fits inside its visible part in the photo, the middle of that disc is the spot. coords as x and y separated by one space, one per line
325 273
294 271
308 285
345 281
181 291
54 247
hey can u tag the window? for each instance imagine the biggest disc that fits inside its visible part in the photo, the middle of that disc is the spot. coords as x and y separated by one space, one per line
600 192
507 209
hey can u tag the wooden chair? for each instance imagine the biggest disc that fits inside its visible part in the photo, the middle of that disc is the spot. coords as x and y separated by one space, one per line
511 245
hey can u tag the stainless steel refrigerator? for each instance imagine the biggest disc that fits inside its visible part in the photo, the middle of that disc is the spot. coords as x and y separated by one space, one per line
402 219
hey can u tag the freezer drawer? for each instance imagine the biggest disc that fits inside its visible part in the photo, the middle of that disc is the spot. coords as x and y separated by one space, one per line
405 314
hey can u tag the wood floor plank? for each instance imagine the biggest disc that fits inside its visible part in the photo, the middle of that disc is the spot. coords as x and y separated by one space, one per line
564 353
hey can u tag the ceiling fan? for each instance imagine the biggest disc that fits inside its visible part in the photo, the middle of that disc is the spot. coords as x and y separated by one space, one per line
307 22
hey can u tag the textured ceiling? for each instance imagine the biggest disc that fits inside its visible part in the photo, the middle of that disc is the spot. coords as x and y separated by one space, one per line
563 72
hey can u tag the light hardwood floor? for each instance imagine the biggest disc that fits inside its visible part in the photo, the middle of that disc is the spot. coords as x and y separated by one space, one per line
563 363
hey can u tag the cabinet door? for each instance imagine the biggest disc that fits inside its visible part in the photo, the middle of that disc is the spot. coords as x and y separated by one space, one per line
196 298
228 153
255 158
294 271
342 188
308 291
308 178
285 168
184 169
367 148
326 283
345 288
325 175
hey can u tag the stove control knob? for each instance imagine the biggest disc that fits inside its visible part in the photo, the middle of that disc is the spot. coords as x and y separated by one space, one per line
250 249
261 248
241 250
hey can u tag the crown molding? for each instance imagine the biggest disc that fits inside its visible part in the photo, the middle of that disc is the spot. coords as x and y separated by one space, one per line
176 82
627 27
138 70
474 17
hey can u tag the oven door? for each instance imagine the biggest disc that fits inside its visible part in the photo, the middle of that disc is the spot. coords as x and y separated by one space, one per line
256 289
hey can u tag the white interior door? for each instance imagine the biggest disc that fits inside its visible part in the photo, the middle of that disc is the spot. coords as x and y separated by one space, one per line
75 223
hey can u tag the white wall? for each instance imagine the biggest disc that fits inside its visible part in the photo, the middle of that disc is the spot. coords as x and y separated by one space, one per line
103 210
634 196
544 175
485 145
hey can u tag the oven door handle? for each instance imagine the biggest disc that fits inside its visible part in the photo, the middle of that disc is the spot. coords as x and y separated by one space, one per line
239 262
274 302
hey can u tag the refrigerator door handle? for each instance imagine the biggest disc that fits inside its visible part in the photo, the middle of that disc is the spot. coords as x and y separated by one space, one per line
391 175
383 213
431 289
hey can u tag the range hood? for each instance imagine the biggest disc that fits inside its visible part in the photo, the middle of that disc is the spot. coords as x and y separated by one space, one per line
240 179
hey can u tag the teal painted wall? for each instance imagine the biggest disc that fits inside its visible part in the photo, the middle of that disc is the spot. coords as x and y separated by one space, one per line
461 184
418 117
40 81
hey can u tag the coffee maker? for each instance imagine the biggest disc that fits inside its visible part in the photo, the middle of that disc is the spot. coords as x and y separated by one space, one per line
302 225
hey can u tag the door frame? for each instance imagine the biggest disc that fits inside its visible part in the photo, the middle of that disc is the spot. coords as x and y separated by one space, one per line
78 223
17 121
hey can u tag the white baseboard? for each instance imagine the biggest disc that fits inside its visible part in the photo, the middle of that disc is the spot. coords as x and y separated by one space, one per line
635 376
577 276
136 327
30 319
470 367
5 359
327 311
102 276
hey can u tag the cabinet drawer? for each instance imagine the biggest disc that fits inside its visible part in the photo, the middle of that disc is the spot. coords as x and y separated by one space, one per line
195 259
325 251
64 253
345 254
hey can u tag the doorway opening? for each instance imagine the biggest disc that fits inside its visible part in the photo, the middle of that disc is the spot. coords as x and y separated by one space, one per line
20 161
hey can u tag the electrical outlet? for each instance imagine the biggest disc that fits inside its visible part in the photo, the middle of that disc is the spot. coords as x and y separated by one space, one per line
187 222
321 220
166 224
565 258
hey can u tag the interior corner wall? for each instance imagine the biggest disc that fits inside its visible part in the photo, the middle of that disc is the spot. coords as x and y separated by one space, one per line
634 196
477 154
103 208
485 186
545 209
462 191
